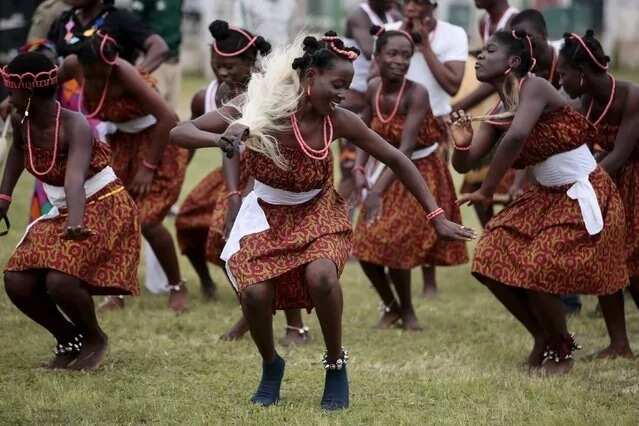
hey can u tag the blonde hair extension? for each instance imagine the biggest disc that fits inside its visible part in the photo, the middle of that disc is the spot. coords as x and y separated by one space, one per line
272 96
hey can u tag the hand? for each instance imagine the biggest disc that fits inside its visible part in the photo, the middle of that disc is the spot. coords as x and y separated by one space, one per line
235 202
459 129
232 137
452 231
423 27
372 207
76 233
472 198
5 109
141 183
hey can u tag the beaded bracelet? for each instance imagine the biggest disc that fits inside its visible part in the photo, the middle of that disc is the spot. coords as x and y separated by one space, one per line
462 148
5 197
432 215
149 165
359 169
232 193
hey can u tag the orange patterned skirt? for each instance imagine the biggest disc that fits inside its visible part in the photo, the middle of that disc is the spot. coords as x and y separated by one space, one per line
193 220
402 237
298 235
628 185
128 152
539 242
107 262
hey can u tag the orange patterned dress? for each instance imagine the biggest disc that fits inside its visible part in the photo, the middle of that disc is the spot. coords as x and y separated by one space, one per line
627 180
539 242
298 234
402 237
130 149
106 262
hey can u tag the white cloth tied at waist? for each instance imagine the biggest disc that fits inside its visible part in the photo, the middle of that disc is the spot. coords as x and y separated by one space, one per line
251 219
418 154
574 167
58 198
105 128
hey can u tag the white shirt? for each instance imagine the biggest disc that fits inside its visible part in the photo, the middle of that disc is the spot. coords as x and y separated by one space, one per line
449 43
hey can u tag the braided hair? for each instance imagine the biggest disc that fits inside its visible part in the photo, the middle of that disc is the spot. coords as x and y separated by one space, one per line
322 53
383 36
584 51
237 41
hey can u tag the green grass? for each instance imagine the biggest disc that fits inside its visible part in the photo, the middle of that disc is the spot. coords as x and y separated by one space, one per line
465 368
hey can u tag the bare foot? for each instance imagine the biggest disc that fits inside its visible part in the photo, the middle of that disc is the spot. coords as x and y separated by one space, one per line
209 291
237 331
92 353
612 352
429 292
178 299
295 336
552 368
388 319
410 322
111 303
536 357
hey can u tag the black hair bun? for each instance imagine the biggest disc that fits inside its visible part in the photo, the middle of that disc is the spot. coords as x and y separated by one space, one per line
219 29
301 63
310 44
376 30
590 34
263 46
330 34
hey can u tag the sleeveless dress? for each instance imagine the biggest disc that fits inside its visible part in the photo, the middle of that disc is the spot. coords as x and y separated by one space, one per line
106 262
627 181
402 237
298 234
540 241
129 150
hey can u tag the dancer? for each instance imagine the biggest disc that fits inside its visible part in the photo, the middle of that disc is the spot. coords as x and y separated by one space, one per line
391 231
234 56
438 64
292 236
563 235
137 122
89 243
612 106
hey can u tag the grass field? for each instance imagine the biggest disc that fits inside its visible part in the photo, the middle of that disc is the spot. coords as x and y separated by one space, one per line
466 367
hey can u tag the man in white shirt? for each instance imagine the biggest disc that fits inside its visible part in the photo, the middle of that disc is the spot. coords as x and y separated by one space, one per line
438 64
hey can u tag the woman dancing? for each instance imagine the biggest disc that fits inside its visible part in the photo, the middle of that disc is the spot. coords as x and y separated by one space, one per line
234 57
89 242
612 106
562 235
137 122
292 236
392 232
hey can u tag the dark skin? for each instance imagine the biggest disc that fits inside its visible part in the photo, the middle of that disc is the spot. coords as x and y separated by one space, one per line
328 88
393 61
541 313
589 85
39 293
125 80
155 48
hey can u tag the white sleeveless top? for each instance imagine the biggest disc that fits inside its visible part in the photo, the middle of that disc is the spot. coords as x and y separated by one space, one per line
361 64
209 97
501 24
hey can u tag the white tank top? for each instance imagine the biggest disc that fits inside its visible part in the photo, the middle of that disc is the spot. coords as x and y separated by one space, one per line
209 97
501 24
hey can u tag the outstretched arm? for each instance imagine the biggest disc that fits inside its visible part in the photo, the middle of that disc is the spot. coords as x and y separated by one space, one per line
13 167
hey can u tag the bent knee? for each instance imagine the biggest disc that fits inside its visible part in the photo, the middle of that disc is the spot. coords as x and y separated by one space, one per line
322 277
256 295
13 283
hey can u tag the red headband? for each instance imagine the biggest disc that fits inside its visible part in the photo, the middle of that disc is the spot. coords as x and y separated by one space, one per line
251 42
382 30
330 42
29 80
105 39
592 56
530 48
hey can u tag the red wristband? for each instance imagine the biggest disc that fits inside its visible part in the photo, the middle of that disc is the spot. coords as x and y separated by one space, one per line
461 148
149 165
359 169
232 193
5 197
432 215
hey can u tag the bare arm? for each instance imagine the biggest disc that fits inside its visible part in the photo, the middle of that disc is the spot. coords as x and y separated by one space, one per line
360 29
197 104
80 147
155 52
627 136
14 166
203 132
482 143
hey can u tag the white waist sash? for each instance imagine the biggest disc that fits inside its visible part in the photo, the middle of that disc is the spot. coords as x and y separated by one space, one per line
58 199
105 128
574 167
418 154
251 219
